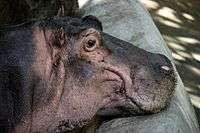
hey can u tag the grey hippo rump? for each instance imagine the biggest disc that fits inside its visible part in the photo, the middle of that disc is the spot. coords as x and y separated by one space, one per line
58 74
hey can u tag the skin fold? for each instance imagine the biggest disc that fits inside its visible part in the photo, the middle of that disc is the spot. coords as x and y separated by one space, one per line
60 74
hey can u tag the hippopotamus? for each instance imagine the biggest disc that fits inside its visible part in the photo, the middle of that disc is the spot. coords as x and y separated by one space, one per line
58 74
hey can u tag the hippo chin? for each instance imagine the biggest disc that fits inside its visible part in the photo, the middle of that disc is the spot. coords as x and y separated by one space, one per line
58 74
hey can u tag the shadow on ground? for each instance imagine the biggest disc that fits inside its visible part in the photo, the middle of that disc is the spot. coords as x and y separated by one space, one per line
179 23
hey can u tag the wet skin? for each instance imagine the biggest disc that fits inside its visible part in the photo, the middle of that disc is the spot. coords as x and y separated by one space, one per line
58 74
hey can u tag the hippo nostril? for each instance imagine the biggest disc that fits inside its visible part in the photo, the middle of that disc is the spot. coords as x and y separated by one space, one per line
102 60
90 62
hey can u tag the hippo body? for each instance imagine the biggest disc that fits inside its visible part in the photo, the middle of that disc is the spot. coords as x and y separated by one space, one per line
58 74
18 11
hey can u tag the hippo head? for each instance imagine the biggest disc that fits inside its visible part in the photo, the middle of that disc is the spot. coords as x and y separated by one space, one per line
82 72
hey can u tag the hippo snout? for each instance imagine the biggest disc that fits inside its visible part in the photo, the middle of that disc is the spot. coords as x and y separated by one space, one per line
148 79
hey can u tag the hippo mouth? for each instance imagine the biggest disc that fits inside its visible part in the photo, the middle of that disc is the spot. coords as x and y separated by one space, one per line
120 82
119 75
116 79
120 101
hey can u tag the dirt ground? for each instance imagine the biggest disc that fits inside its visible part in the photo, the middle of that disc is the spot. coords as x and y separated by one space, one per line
179 23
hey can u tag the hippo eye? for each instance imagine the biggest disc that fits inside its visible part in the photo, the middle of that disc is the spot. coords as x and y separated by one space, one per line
90 45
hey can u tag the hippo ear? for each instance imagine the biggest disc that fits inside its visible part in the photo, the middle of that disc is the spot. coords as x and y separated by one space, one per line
92 21
57 38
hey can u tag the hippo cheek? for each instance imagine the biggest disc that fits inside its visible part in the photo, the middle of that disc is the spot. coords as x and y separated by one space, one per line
77 108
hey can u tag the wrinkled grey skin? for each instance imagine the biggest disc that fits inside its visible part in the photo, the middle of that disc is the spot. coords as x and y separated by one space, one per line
59 74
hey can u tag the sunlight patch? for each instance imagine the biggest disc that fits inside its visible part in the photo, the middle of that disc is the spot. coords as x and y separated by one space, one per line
196 56
188 40
195 70
169 23
184 54
176 46
188 16
82 3
195 100
177 57
150 4
169 13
